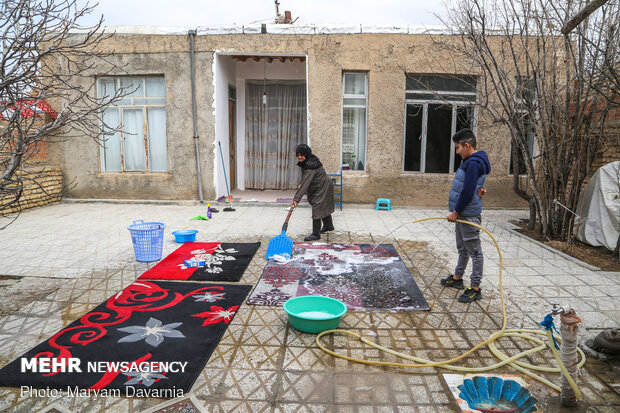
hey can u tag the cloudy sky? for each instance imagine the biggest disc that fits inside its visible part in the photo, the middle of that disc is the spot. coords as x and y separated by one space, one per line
242 12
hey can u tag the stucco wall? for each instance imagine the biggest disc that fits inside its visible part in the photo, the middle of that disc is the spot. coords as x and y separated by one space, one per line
386 57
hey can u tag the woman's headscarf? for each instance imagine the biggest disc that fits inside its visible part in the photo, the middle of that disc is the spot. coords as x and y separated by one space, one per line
311 162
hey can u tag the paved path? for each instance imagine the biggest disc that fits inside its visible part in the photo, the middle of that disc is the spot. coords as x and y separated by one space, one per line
60 261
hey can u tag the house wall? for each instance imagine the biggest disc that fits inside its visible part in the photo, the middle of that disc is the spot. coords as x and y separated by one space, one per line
386 58
41 178
225 74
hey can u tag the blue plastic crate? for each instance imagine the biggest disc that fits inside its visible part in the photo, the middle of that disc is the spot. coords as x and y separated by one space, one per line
148 240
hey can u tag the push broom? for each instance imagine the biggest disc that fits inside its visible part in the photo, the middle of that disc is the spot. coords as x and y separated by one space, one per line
280 244
229 197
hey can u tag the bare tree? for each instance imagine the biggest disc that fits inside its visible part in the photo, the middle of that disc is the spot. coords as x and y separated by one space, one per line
43 47
552 92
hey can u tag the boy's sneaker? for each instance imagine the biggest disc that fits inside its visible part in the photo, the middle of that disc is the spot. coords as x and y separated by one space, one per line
470 295
453 282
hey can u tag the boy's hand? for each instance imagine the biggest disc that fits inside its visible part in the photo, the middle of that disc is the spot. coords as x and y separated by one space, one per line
453 216
481 192
294 204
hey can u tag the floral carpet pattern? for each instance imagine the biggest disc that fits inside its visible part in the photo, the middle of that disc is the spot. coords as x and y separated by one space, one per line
222 262
363 276
149 339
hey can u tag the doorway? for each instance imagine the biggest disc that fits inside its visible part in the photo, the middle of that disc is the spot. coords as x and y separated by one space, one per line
232 134
276 122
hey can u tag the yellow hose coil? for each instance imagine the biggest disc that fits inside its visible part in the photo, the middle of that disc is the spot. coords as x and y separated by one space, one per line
490 342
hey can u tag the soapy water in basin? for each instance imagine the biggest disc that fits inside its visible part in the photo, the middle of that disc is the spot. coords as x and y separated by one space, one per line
315 315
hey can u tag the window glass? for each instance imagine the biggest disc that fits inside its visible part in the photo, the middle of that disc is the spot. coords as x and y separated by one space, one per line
141 142
155 86
437 107
156 118
354 114
106 87
445 83
464 119
354 139
111 143
355 84
413 137
133 143
132 86
438 139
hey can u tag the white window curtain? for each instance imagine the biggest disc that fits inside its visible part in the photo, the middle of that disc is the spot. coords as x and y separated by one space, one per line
273 131
133 144
112 143
354 138
156 126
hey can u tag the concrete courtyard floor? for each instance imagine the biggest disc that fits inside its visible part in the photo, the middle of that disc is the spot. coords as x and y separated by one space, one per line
59 262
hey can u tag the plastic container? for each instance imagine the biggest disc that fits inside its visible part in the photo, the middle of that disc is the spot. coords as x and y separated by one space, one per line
188 235
314 313
148 240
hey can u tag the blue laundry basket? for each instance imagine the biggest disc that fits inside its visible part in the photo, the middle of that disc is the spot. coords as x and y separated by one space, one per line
148 240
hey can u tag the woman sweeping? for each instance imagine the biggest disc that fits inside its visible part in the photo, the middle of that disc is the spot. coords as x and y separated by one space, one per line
319 188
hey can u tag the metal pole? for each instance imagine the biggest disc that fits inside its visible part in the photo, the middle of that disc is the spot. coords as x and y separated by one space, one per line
192 34
568 354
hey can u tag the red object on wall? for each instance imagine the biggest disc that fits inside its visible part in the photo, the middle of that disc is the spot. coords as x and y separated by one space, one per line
30 108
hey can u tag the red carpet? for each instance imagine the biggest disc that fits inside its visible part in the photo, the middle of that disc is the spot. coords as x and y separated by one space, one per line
223 262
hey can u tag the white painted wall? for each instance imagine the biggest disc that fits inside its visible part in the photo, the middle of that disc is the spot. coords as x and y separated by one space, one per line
258 70
225 73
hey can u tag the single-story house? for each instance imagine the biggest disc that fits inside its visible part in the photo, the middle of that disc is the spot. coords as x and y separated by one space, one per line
375 102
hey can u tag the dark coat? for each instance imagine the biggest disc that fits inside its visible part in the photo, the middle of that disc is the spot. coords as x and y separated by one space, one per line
319 188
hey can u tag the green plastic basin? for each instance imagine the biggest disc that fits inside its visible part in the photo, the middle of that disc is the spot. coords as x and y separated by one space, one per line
314 313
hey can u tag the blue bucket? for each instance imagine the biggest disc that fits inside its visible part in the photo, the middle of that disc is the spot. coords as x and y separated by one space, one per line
148 240
188 235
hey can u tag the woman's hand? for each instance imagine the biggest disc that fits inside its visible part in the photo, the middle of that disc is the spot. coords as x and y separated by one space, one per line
294 204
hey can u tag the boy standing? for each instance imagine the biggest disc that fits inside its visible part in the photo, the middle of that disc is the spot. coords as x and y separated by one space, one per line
465 204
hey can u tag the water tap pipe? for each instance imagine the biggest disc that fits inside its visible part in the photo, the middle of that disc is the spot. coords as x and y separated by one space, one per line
192 35
512 361
568 353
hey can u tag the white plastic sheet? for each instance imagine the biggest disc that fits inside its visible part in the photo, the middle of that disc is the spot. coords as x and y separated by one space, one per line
599 208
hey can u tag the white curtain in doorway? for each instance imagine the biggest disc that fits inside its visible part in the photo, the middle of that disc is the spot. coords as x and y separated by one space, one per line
274 126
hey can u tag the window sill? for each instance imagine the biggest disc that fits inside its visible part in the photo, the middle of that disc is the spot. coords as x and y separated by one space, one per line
134 173
429 174
353 173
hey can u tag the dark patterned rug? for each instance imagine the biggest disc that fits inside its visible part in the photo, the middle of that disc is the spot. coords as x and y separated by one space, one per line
346 272
150 340
222 262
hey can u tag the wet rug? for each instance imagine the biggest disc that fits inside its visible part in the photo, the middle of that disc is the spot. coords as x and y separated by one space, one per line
222 262
150 340
347 272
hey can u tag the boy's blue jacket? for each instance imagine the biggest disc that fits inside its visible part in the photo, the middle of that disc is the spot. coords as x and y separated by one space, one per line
468 179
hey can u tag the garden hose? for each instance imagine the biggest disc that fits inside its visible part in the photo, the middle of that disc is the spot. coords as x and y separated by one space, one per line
490 342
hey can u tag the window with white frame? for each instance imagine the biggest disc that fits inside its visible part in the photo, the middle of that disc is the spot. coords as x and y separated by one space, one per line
354 120
436 107
140 144
524 104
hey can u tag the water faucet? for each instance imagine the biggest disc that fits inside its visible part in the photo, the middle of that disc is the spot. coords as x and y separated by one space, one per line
556 309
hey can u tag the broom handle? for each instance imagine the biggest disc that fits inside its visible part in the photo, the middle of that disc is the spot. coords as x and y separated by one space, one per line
224 168
285 226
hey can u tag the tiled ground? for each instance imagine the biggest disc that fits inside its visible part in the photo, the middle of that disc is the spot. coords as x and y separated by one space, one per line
65 259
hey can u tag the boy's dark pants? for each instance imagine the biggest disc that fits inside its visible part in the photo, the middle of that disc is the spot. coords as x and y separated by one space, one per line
468 244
